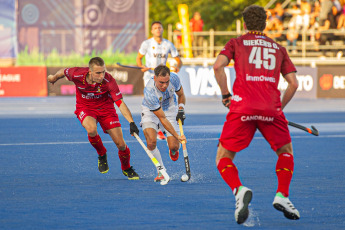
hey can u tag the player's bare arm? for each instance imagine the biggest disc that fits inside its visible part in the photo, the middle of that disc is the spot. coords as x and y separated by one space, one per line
181 97
54 78
128 115
140 63
218 67
181 103
291 89
167 125
177 68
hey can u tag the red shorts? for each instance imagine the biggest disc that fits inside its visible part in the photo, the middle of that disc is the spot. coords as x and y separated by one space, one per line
107 118
239 129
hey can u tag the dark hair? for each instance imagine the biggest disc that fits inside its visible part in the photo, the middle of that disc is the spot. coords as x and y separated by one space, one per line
156 22
162 70
255 17
96 61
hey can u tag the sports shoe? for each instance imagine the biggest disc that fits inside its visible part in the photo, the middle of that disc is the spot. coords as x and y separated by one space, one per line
159 178
160 135
243 198
130 173
103 164
283 204
173 155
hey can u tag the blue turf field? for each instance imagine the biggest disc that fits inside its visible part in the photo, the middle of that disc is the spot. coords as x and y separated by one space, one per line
49 178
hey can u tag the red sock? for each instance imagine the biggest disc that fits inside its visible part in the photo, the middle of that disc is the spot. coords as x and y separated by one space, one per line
284 171
97 143
229 172
125 157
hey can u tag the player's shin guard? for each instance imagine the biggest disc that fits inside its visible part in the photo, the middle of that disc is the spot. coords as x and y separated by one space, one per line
229 172
97 143
125 157
284 171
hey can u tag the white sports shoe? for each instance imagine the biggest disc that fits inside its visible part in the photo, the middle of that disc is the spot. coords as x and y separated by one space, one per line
243 198
284 205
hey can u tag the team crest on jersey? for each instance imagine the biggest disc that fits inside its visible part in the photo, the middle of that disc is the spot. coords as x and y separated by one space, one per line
153 47
160 99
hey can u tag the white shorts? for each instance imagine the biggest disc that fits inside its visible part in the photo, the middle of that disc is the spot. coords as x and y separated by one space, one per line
147 76
150 120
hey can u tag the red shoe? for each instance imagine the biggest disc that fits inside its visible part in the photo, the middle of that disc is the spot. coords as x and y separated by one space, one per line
173 155
159 178
160 135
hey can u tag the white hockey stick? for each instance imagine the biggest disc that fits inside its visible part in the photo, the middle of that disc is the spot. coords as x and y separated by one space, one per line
155 161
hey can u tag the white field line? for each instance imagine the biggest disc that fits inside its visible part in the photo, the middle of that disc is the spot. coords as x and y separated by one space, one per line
189 140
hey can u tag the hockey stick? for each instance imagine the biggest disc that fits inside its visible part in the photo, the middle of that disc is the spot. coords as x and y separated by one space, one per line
154 160
129 66
313 130
184 178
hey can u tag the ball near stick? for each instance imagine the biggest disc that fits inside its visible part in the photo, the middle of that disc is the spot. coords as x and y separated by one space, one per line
184 178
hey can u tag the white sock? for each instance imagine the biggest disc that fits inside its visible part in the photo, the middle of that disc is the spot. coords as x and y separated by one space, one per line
157 155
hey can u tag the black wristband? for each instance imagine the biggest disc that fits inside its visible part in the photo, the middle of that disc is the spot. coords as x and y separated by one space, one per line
226 96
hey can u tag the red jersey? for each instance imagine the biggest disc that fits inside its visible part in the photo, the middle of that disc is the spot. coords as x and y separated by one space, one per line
258 64
99 95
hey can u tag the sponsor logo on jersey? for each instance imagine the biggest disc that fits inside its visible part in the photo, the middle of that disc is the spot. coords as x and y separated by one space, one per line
78 75
91 96
236 98
257 118
260 78
158 55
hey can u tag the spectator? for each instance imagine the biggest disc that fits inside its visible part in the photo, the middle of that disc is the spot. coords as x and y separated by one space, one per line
326 24
178 36
279 11
291 36
197 24
325 9
274 28
305 14
341 20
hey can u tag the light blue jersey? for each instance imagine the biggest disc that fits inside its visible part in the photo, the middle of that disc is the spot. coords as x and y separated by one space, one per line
155 99
157 53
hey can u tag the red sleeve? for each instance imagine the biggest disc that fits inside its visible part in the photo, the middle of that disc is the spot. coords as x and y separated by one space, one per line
114 89
228 49
287 65
69 73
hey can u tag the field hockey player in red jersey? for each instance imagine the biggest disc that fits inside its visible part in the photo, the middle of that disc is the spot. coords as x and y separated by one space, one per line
96 92
256 104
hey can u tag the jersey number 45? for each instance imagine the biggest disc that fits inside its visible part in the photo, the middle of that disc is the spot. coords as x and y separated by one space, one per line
268 60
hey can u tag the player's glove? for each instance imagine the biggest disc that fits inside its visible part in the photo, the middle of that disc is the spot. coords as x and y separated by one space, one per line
133 128
226 99
181 115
